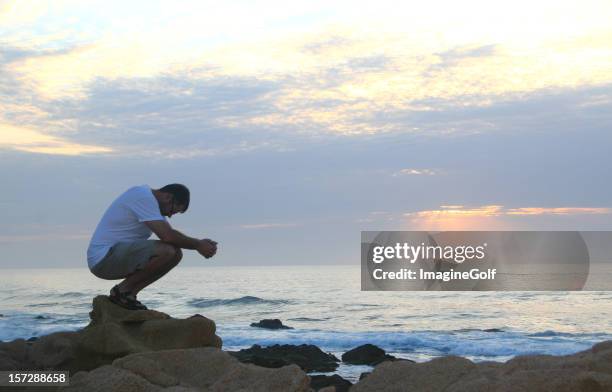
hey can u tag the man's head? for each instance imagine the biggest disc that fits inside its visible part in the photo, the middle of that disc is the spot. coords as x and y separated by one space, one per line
173 199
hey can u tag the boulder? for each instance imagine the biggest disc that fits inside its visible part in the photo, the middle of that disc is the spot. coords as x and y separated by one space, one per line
197 369
364 375
586 371
367 354
435 375
319 382
113 332
308 357
270 324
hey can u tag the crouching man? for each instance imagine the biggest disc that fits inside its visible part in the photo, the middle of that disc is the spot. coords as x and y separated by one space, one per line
120 248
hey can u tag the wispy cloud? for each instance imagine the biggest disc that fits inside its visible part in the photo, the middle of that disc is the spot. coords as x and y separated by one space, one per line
557 211
257 226
498 210
488 217
29 140
43 237
415 172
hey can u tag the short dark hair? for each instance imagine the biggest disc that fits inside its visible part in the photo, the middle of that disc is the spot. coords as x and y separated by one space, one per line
180 193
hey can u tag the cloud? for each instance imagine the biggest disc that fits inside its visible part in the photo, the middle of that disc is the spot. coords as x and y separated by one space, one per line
557 211
497 210
339 79
267 226
43 237
488 217
24 139
453 57
226 96
415 172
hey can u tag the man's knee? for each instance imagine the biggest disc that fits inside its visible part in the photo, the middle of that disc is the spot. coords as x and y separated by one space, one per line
169 252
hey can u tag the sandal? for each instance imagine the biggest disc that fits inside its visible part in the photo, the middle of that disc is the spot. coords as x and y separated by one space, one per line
125 300
132 298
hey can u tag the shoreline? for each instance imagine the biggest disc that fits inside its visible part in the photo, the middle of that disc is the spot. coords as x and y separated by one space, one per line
115 334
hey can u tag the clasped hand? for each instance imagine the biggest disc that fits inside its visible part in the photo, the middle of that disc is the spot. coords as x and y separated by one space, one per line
207 248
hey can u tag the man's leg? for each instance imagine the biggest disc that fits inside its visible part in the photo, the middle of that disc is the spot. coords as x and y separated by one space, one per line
165 257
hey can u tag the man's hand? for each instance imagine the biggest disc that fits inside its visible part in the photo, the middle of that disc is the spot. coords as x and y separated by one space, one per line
207 248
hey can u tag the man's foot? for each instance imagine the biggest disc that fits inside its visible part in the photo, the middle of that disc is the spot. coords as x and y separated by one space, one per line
132 299
126 300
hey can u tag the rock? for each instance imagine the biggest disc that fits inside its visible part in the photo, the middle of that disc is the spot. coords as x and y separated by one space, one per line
197 369
32 339
586 371
367 354
113 332
321 381
435 375
493 330
39 317
270 324
308 357
12 354
1 315
364 375
53 351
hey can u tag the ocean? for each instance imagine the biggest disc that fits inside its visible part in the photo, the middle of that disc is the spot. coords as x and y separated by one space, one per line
325 306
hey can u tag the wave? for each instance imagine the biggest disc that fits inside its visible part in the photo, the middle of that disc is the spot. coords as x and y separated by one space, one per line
419 345
246 300
73 294
550 334
307 319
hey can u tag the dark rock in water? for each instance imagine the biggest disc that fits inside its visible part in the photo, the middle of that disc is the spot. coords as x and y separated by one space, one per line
364 375
1 315
493 330
321 381
270 324
41 318
309 357
32 339
367 354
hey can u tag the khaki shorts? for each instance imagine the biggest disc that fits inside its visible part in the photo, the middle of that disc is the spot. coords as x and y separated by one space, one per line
124 258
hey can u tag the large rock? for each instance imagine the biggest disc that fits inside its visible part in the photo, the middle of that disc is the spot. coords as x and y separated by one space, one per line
270 324
308 357
366 354
113 332
198 369
321 381
587 371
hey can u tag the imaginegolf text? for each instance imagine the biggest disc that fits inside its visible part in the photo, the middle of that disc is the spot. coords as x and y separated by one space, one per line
445 276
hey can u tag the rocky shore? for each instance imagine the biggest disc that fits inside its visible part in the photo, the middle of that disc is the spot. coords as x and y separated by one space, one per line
147 350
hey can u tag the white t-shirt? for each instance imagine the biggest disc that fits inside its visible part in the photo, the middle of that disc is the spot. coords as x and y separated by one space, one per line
124 221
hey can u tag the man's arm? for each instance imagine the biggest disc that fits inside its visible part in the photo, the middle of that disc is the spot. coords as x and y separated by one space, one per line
166 233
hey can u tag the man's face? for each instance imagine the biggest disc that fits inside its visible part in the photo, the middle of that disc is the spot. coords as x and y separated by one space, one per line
169 207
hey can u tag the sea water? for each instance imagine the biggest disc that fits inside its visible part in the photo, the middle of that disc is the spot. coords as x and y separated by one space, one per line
325 307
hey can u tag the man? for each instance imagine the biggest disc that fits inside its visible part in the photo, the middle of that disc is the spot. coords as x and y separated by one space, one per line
120 248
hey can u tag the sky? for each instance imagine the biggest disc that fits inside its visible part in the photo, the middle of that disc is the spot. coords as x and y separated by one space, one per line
296 125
